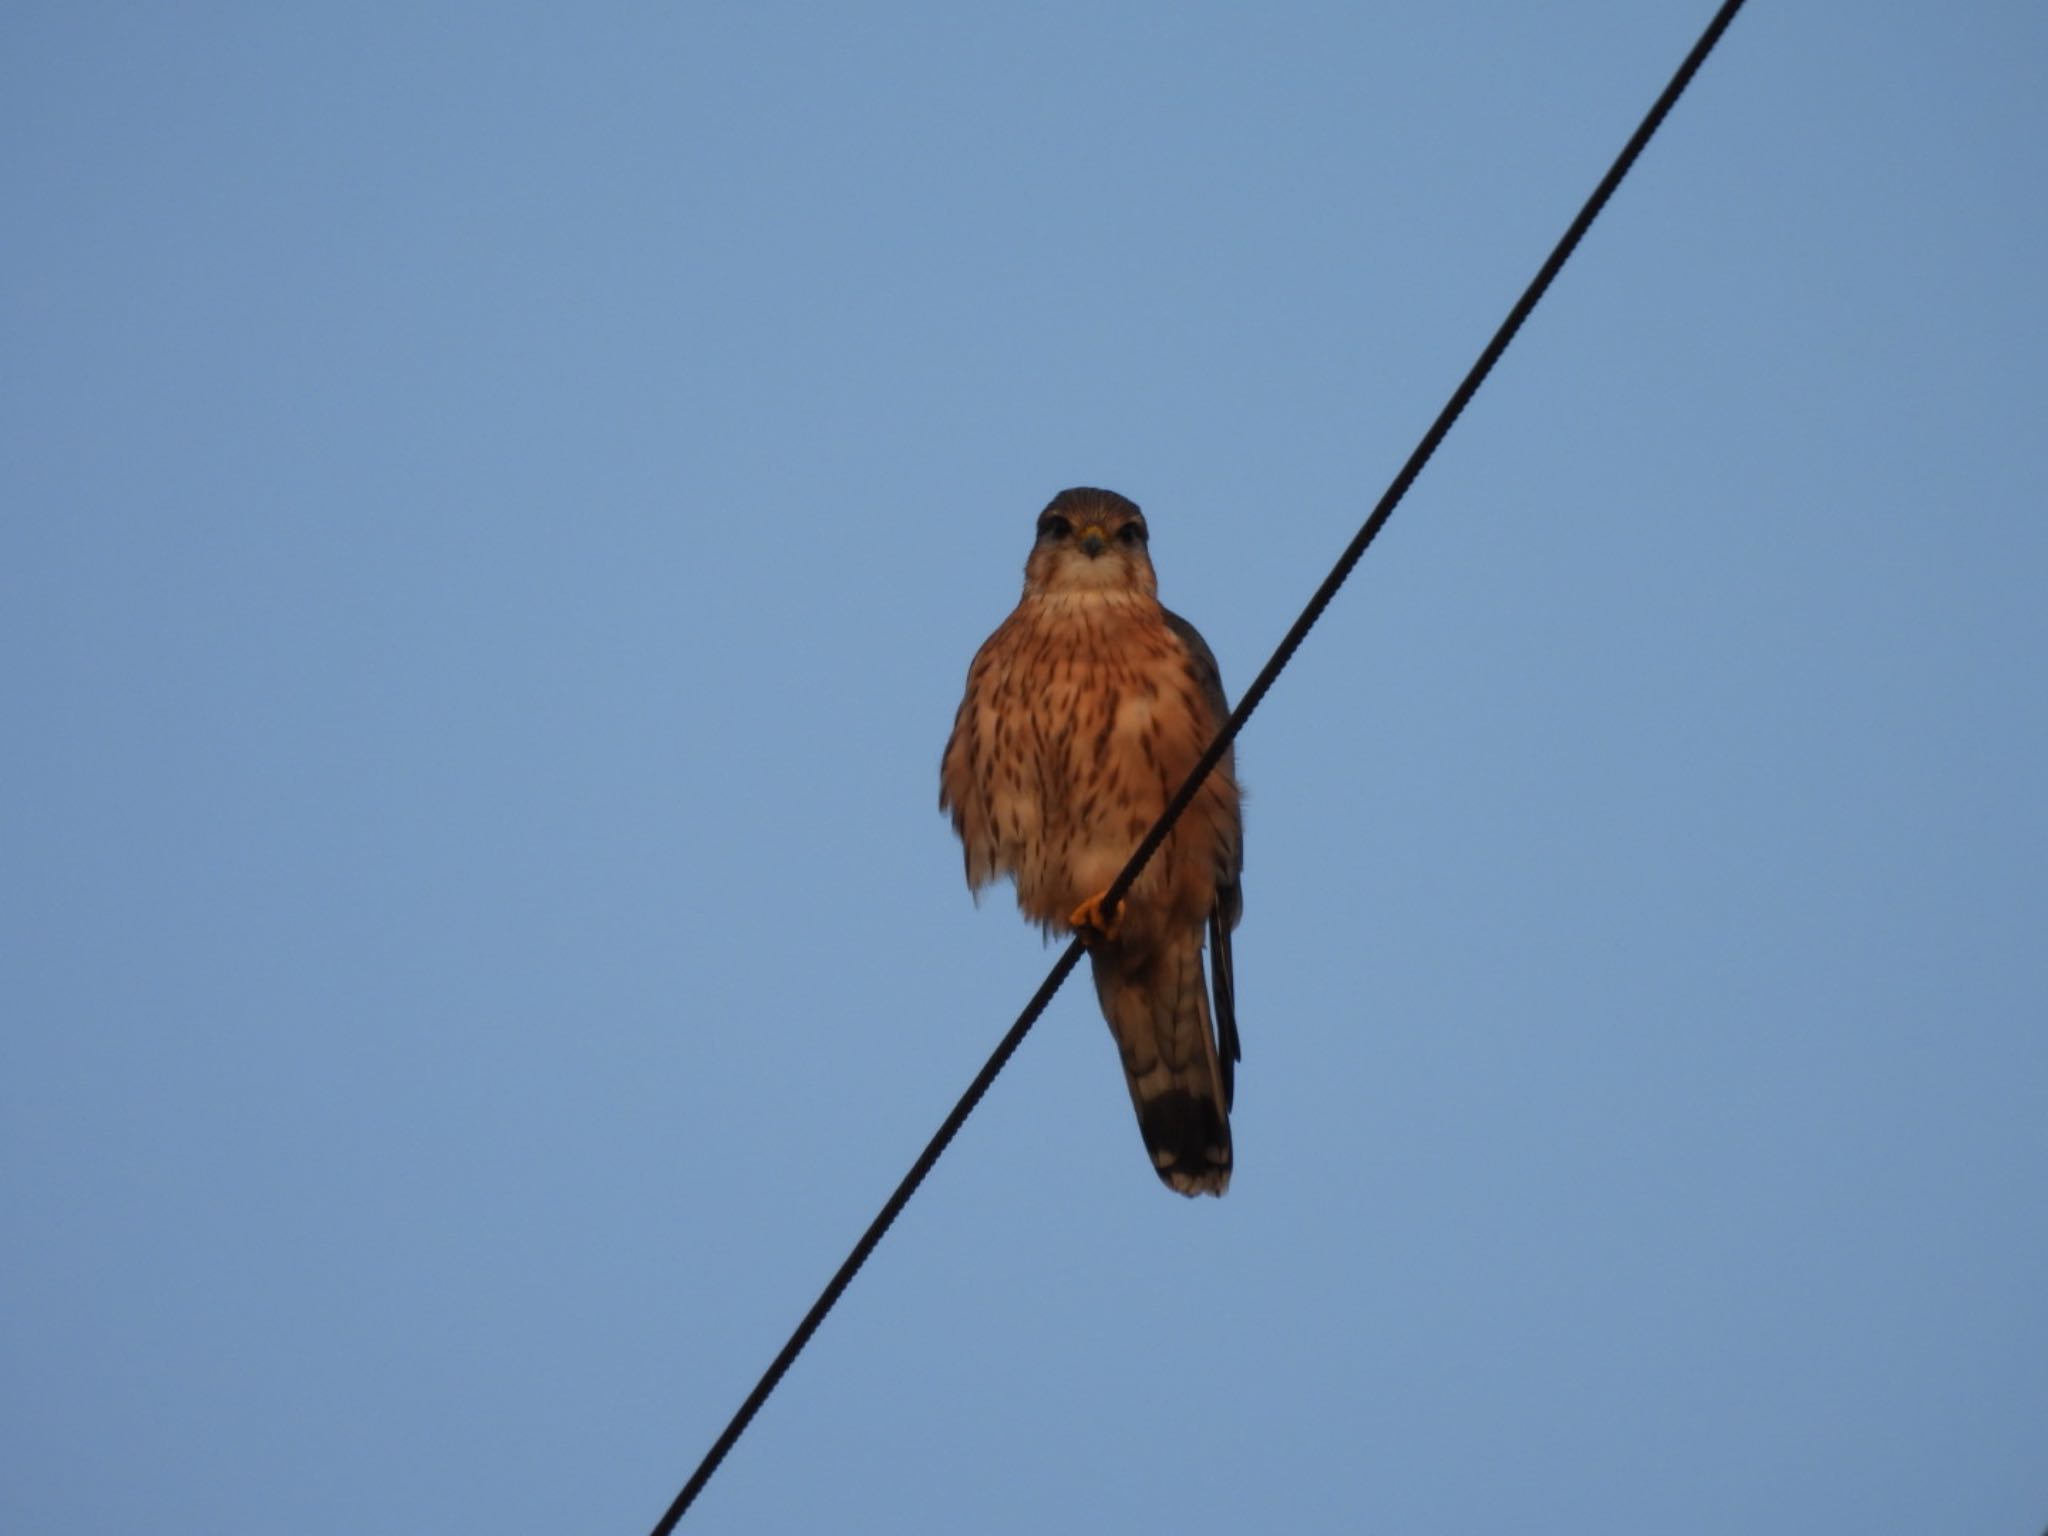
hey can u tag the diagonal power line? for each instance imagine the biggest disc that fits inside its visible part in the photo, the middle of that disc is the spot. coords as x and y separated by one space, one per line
1260 685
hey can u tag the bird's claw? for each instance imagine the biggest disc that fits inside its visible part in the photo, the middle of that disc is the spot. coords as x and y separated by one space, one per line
1092 926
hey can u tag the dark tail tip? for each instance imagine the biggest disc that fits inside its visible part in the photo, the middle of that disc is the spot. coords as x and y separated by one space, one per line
1189 1140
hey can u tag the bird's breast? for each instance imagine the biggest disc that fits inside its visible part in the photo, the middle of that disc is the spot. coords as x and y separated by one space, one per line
1093 720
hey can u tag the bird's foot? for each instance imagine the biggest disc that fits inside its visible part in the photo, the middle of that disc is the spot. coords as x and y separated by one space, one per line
1092 926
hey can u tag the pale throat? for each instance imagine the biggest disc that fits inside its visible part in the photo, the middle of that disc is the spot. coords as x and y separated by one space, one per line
1097 580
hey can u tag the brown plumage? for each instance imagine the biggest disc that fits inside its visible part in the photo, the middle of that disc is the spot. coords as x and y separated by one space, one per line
1083 714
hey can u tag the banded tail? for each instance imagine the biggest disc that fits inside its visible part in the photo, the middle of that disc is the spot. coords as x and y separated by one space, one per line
1157 1005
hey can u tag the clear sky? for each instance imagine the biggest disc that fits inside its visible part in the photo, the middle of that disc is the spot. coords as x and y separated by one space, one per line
496 503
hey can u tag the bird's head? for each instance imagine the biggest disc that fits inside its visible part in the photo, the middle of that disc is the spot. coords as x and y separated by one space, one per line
1090 541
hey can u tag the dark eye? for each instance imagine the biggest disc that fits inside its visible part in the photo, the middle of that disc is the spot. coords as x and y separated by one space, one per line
1131 533
1053 526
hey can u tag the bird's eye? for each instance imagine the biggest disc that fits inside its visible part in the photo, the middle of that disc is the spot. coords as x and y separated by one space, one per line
1053 526
1132 533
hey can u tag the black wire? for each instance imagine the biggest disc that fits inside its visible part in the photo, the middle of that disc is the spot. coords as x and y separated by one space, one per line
1438 429
1068 959
1289 644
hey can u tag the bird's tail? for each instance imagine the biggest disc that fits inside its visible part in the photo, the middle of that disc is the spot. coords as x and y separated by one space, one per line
1157 1004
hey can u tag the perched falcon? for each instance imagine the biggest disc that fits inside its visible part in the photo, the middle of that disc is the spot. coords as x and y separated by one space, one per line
1083 715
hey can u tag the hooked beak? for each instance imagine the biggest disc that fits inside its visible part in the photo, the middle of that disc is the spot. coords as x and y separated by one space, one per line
1093 540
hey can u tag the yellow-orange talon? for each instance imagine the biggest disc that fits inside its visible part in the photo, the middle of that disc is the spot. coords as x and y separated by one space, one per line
1089 922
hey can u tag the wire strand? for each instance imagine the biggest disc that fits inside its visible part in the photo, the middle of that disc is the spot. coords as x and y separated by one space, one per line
1184 796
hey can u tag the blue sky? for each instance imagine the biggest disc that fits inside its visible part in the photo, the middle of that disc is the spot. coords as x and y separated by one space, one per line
498 503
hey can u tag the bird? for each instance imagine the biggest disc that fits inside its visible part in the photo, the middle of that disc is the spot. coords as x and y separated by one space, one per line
1083 714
